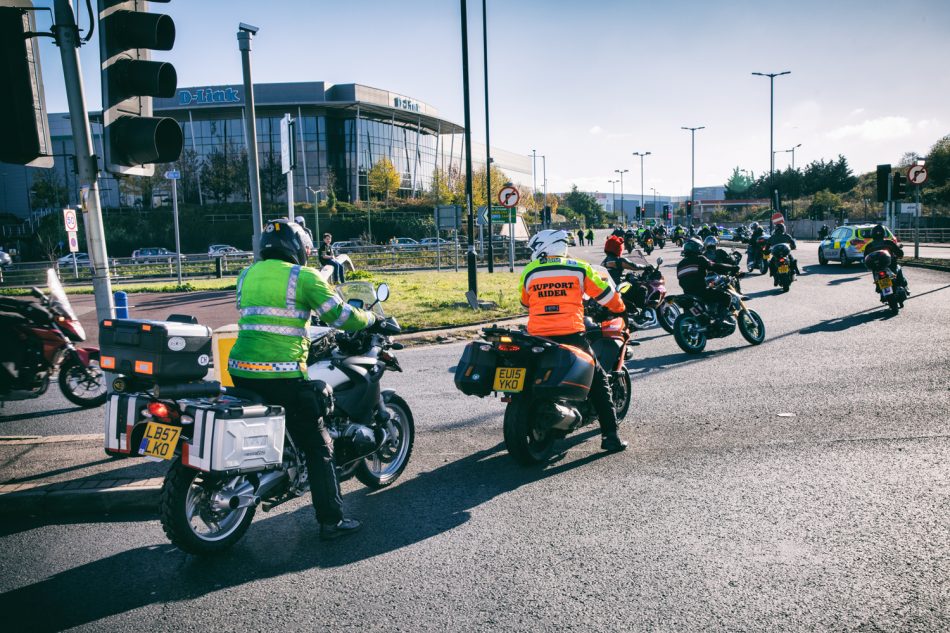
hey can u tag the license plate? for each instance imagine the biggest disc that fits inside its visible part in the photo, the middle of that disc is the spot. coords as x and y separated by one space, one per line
509 379
783 269
884 283
159 440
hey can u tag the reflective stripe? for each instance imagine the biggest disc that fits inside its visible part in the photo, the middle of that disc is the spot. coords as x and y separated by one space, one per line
240 283
278 312
292 287
285 330
606 296
345 312
329 304
687 270
263 366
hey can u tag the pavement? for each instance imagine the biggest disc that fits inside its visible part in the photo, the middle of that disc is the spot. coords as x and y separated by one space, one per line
798 485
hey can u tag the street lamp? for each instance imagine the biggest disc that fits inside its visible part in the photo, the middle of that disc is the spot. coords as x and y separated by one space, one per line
772 77
316 211
641 155
692 182
792 150
613 195
622 210
653 189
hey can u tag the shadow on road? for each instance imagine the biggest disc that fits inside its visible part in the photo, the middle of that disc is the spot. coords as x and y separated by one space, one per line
426 506
763 293
831 269
842 280
844 323
33 415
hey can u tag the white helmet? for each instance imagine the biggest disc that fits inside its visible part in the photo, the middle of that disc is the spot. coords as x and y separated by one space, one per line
548 243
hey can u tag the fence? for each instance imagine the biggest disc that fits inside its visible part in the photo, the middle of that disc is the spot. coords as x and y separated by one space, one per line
926 235
450 256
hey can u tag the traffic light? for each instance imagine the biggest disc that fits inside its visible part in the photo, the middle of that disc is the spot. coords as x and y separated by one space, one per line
133 138
668 212
546 219
24 127
883 172
639 211
689 208
898 187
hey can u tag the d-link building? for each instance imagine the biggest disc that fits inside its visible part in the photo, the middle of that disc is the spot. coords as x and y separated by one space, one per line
343 130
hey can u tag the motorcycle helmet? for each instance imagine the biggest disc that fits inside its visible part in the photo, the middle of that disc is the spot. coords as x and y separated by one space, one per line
286 241
548 243
754 226
618 232
711 242
614 246
877 233
692 246
780 228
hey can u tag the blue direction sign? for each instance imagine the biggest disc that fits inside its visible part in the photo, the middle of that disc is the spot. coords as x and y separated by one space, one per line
173 174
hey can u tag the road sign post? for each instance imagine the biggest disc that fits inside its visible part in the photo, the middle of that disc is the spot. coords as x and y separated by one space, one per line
508 197
917 176
73 248
174 175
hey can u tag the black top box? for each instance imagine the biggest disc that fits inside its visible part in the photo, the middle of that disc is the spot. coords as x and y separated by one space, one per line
163 351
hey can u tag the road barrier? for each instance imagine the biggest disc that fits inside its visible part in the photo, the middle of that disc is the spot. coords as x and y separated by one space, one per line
932 236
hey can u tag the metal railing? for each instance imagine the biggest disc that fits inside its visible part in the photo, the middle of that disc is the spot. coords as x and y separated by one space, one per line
926 235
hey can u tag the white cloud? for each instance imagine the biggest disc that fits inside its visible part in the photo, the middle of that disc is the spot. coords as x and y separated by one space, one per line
595 130
880 129
856 112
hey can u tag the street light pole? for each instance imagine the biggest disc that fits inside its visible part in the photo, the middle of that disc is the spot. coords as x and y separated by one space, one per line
613 195
491 250
772 77
641 155
692 181
245 34
792 150
623 211
472 277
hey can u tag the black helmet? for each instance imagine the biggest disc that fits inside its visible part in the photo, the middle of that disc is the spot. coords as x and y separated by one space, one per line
877 233
780 228
287 241
754 226
692 246
711 242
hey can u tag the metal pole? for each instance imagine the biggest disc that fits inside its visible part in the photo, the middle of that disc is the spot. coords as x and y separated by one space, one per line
544 182
244 38
175 216
534 180
290 195
472 276
917 224
491 249
67 38
771 135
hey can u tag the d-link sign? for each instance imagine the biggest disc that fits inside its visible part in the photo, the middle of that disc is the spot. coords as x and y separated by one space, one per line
205 96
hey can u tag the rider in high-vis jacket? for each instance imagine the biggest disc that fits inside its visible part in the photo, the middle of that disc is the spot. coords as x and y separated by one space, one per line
553 287
275 297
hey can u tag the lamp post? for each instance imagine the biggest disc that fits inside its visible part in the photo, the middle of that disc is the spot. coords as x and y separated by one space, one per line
692 180
641 155
792 150
772 77
653 189
470 225
316 212
623 211
613 195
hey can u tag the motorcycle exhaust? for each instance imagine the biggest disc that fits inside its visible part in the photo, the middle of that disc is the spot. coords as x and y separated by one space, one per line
563 418
271 482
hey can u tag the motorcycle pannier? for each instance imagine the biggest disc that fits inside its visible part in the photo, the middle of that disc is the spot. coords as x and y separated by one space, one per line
163 351
563 372
475 372
234 436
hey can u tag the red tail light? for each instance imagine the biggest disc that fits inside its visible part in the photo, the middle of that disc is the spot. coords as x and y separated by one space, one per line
781 261
882 274
508 347
161 412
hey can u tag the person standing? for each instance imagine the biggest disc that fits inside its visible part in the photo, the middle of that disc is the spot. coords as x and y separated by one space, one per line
590 237
328 257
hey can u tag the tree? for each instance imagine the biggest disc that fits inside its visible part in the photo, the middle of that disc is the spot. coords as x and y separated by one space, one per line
218 176
440 191
582 203
47 190
273 182
142 189
738 185
383 179
824 202
50 236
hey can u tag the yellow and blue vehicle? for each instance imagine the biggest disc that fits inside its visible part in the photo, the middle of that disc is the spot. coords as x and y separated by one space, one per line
846 244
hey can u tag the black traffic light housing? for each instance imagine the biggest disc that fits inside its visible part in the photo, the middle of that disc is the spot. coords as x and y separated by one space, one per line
883 173
639 212
134 140
24 127
689 208
899 187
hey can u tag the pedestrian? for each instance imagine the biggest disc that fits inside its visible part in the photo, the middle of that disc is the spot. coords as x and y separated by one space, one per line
590 237
328 258
580 237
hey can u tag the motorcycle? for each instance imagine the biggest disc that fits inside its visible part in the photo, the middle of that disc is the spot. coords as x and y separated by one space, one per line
783 266
698 323
660 241
887 283
545 385
678 239
647 245
208 500
629 242
759 255
644 296
741 234
39 340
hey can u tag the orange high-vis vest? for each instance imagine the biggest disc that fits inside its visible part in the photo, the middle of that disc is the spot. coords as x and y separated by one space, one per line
553 290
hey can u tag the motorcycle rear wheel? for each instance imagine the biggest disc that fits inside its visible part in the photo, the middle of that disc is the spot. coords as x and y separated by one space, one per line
527 445
185 501
687 333
751 327
380 470
84 386
893 304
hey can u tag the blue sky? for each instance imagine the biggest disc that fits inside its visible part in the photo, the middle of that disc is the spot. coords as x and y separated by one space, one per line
588 83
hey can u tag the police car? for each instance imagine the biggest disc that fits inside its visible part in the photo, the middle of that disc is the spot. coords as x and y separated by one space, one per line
846 244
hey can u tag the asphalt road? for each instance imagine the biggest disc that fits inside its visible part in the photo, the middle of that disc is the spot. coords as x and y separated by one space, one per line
798 485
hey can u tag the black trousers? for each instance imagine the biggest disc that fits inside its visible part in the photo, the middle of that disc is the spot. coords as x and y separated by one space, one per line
600 395
304 410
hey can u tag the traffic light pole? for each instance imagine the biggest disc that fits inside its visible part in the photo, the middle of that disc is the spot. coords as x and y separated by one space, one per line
471 257
67 39
244 37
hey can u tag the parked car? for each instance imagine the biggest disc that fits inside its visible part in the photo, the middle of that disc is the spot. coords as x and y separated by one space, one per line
220 250
5 259
432 241
356 245
82 259
153 254
403 242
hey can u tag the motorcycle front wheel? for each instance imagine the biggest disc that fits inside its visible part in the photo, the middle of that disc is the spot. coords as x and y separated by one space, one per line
668 313
83 385
621 390
893 304
385 466
525 443
190 516
751 327
689 334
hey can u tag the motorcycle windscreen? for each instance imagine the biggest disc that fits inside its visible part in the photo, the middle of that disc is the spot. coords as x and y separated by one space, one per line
360 294
58 299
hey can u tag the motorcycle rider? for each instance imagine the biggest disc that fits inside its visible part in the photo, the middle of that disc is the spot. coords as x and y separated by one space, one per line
779 236
715 254
691 273
823 232
704 231
646 233
880 243
752 252
553 286
679 232
275 297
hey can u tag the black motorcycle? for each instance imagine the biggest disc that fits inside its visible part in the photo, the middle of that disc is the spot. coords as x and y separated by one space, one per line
545 384
700 322
890 285
782 266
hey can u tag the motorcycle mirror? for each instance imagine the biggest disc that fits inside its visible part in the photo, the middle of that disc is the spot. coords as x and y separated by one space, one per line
659 260
382 293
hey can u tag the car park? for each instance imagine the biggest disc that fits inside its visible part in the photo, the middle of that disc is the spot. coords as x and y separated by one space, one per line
846 244
153 254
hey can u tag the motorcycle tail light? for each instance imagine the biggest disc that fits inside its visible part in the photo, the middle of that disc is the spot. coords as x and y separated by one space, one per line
162 412
508 347
882 274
